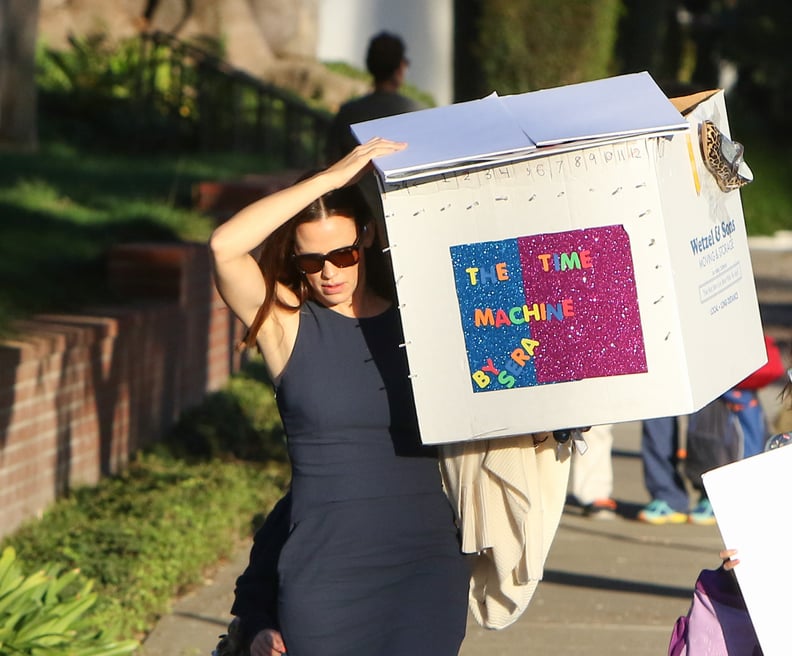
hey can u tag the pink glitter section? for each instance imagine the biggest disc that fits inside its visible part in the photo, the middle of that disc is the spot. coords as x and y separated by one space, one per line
604 337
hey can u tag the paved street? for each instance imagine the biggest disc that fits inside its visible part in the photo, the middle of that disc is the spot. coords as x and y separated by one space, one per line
610 587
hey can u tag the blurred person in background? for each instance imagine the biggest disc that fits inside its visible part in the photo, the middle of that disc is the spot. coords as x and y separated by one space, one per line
387 62
592 474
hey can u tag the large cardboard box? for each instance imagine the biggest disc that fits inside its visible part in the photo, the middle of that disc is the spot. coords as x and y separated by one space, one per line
564 258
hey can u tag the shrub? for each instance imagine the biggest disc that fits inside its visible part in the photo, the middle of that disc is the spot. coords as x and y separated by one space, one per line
148 534
44 614
239 421
89 87
523 46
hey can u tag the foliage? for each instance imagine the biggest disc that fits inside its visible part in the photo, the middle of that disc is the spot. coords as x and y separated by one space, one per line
123 90
767 201
44 614
93 63
524 46
155 93
756 37
149 533
89 89
240 420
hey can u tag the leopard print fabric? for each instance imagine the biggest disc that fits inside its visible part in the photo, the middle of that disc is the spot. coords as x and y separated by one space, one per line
723 166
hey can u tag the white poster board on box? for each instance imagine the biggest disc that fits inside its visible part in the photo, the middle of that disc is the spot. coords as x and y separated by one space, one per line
589 282
749 501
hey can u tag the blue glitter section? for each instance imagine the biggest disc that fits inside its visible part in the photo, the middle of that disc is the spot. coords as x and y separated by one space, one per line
488 344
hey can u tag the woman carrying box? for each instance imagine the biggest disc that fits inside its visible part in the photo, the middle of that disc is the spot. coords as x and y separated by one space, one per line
372 563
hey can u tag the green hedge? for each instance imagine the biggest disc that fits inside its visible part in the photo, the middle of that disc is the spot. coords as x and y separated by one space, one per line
149 534
529 45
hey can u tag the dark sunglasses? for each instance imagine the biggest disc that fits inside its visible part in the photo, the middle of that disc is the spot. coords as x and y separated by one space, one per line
343 257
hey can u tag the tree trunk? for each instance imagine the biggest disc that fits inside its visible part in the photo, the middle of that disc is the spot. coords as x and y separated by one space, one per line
18 30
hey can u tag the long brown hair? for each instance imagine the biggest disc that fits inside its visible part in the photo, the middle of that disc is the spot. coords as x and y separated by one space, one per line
276 261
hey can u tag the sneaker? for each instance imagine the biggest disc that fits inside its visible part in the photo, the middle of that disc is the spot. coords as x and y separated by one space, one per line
782 439
600 509
659 512
702 514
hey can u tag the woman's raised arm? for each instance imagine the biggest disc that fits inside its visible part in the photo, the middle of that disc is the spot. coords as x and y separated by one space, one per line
237 274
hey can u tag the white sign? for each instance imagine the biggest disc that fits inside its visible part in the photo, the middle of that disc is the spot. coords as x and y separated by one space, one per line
749 499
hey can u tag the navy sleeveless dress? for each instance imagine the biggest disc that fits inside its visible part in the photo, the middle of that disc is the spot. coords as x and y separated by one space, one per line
372 565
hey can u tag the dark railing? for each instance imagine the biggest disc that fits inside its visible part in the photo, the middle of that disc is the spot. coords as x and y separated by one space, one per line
214 106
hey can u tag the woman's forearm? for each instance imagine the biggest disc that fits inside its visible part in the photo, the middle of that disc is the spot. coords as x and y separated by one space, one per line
249 227
244 231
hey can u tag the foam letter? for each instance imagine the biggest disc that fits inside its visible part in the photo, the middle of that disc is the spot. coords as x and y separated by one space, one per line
520 356
501 271
501 319
569 310
481 379
570 261
483 317
514 316
544 258
529 345
472 271
504 378
554 311
533 313
585 259
490 367
488 275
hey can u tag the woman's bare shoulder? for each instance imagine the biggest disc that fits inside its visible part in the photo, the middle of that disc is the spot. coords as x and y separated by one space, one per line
278 331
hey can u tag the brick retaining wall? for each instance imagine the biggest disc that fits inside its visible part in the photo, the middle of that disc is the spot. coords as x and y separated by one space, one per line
79 393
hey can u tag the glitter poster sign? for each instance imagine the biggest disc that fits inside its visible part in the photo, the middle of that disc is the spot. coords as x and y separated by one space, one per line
549 308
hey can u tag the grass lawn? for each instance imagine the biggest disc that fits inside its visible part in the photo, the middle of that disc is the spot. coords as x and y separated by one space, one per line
61 208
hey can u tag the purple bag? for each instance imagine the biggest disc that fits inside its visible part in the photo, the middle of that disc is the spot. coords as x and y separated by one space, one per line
717 623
